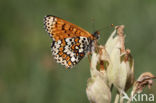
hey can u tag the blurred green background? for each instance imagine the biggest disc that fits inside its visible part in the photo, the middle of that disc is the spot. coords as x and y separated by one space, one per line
28 73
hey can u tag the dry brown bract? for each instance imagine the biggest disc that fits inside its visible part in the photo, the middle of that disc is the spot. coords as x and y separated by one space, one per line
145 79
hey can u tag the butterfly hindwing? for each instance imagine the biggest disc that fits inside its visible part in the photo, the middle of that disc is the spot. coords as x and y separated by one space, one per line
70 51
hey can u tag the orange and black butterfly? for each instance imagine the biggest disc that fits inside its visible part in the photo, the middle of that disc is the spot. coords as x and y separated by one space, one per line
70 42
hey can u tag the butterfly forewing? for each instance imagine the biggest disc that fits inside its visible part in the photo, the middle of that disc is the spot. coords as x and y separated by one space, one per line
60 29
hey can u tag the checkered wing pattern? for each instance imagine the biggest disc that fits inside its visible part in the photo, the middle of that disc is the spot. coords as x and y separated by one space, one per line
60 29
70 42
71 53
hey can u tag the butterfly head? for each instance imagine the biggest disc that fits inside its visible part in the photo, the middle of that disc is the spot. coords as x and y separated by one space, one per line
96 35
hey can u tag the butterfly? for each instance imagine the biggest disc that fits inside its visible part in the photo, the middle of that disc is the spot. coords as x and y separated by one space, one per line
70 42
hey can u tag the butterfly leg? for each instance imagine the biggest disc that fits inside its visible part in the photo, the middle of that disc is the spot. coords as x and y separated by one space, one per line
96 47
89 57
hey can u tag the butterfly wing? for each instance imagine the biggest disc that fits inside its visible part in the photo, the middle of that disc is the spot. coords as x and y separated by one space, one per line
60 29
71 53
70 42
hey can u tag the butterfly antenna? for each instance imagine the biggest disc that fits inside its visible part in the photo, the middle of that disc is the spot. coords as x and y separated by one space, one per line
106 27
93 24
